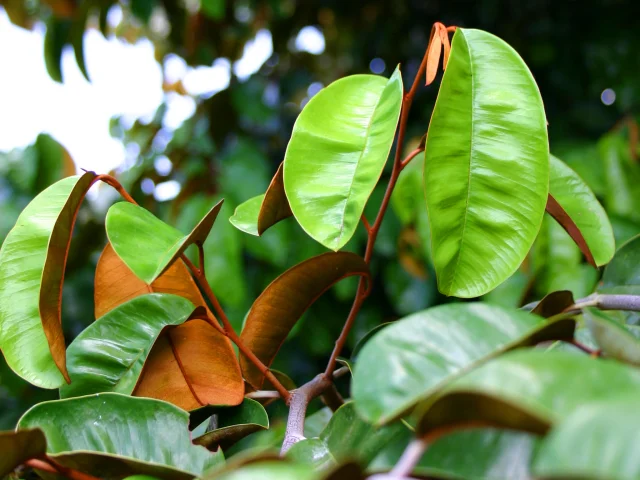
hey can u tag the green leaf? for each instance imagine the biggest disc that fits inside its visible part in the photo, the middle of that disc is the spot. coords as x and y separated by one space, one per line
622 194
407 362
582 206
486 168
77 37
56 36
245 217
338 149
18 447
613 338
597 441
32 262
109 354
146 244
529 390
346 436
128 436
622 275
269 470
234 424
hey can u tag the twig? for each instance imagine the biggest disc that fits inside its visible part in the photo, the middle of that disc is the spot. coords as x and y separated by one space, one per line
605 301
411 156
332 398
51 466
409 459
298 404
366 223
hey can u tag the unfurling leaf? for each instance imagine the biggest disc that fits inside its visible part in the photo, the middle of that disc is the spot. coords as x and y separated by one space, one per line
190 364
338 149
282 303
486 170
156 439
259 213
574 206
32 264
146 244
18 447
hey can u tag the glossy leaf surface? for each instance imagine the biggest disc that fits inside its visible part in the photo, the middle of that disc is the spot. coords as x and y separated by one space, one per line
234 424
615 339
411 359
529 390
338 149
32 263
486 165
582 206
18 447
146 244
346 436
282 303
190 365
140 430
245 217
598 441
109 354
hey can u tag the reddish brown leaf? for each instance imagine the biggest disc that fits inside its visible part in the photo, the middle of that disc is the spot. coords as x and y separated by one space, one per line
190 365
554 303
280 306
18 447
444 36
558 213
433 55
275 206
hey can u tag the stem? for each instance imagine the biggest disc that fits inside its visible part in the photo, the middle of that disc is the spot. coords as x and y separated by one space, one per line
332 398
410 458
608 302
375 228
109 180
298 404
583 347
263 394
411 156
52 467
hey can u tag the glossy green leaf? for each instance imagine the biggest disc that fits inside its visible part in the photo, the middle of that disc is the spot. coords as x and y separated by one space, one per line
347 436
18 447
235 423
109 354
613 338
475 454
528 390
128 436
269 470
596 442
412 359
621 195
486 165
582 206
56 37
146 244
338 149
32 263
245 217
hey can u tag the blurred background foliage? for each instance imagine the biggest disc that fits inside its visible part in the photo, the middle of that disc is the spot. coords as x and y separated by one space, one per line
582 54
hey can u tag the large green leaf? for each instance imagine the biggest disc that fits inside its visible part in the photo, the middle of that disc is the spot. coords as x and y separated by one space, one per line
346 436
475 454
528 389
146 244
113 434
598 442
32 263
110 353
18 447
338 148
411 359
486 165
582 206
235 423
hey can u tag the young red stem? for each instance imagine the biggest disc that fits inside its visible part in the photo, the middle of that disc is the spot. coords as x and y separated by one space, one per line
109 180
411 156
52 467
375 228
366 223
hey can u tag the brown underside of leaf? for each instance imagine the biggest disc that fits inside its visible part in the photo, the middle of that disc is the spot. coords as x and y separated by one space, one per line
50 302
554 303
190 365
275 206
18 447
280 306
434 49
558 213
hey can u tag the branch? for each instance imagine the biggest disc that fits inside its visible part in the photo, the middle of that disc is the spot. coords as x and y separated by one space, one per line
410 458
411 156
298 403
605 301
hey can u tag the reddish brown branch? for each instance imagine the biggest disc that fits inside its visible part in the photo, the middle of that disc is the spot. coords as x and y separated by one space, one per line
411 156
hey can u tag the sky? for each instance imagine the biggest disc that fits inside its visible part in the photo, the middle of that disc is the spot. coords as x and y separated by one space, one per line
125 80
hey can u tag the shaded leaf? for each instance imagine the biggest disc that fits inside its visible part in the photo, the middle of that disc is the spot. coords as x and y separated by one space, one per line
621 194
406 363
338 149
18 447
346 436
597 441
270 470
235 423
146 244
32 263
195 364
622 275
245 217
528 390
110 353
363 341
613 338
55 38
77 37
124 436
282 303
485 191
587 221
554 304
